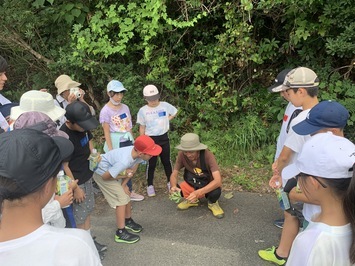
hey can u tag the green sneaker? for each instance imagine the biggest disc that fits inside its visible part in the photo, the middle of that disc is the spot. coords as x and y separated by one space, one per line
269 255
122 236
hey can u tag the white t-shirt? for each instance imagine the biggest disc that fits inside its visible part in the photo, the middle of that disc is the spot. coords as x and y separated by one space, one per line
52 214
320 245
62 103
290 108
156 119
49 245
295 142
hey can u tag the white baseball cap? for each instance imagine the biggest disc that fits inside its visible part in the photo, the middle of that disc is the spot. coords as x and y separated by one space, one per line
300 77
324 155
151 93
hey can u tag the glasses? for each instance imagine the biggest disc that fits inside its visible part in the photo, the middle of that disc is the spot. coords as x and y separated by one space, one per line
315 177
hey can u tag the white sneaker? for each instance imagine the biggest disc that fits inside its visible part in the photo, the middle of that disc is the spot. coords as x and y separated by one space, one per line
136 197
150 191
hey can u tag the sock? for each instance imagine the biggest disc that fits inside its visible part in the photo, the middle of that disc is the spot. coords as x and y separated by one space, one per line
127 220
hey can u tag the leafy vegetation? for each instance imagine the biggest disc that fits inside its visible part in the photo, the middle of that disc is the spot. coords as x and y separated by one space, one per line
212 59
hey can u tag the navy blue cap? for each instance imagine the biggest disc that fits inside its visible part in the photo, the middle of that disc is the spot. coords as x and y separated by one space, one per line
326 114
276 87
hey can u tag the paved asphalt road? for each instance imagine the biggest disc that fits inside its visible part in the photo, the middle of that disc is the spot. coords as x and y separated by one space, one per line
193 236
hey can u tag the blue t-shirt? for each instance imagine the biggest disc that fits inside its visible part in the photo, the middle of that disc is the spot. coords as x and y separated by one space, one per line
116 161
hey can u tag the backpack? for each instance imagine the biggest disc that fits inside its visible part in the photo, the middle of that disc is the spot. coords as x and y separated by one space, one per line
199 179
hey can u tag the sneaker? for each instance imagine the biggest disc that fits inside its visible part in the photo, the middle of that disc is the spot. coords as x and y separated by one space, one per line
184 205
99 247
133 226
150 191
136 197
216 210
279 223
123 236
269 255
102 255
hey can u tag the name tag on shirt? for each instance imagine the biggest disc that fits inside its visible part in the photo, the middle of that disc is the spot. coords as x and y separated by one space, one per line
84 140
123 116
162 113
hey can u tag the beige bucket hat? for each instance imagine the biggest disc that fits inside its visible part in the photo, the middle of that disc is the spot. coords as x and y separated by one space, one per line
190 142
64 82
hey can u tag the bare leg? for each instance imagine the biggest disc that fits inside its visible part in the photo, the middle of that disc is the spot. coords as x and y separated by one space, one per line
120 216
289 233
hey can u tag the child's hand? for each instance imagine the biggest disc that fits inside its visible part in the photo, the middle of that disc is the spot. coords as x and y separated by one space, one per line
79 195
275 181
65 199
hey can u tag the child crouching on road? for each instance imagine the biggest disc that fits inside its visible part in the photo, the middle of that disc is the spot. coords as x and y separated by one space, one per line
115 169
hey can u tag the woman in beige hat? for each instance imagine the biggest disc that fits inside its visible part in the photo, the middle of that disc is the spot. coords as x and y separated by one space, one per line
202 177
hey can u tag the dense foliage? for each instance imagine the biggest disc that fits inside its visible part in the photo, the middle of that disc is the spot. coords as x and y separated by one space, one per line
213 59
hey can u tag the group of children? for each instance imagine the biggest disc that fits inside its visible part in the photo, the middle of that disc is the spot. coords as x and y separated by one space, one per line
314 164
315 169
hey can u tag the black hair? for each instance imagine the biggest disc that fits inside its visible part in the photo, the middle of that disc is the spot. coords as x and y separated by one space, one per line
3 64
112 93
9 189
311 91
349 209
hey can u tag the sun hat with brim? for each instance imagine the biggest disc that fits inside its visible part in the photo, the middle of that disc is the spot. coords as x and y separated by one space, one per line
277 86
191 142
64 83
151 93
116 86
79 112
39 121
326 114
37 101
30 157
324 155
146 144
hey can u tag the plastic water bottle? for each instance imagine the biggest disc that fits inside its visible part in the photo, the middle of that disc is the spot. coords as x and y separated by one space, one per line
93 160
62 184
283 199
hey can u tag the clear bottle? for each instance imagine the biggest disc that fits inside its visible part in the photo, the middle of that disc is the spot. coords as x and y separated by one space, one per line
283 199
63 182
93 160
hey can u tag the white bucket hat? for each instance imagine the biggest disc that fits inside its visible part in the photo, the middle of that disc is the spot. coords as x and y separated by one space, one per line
37 101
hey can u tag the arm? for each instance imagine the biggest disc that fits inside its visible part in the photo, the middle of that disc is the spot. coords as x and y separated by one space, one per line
107 135
173 181
277 167
79 194
141 130
215 183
